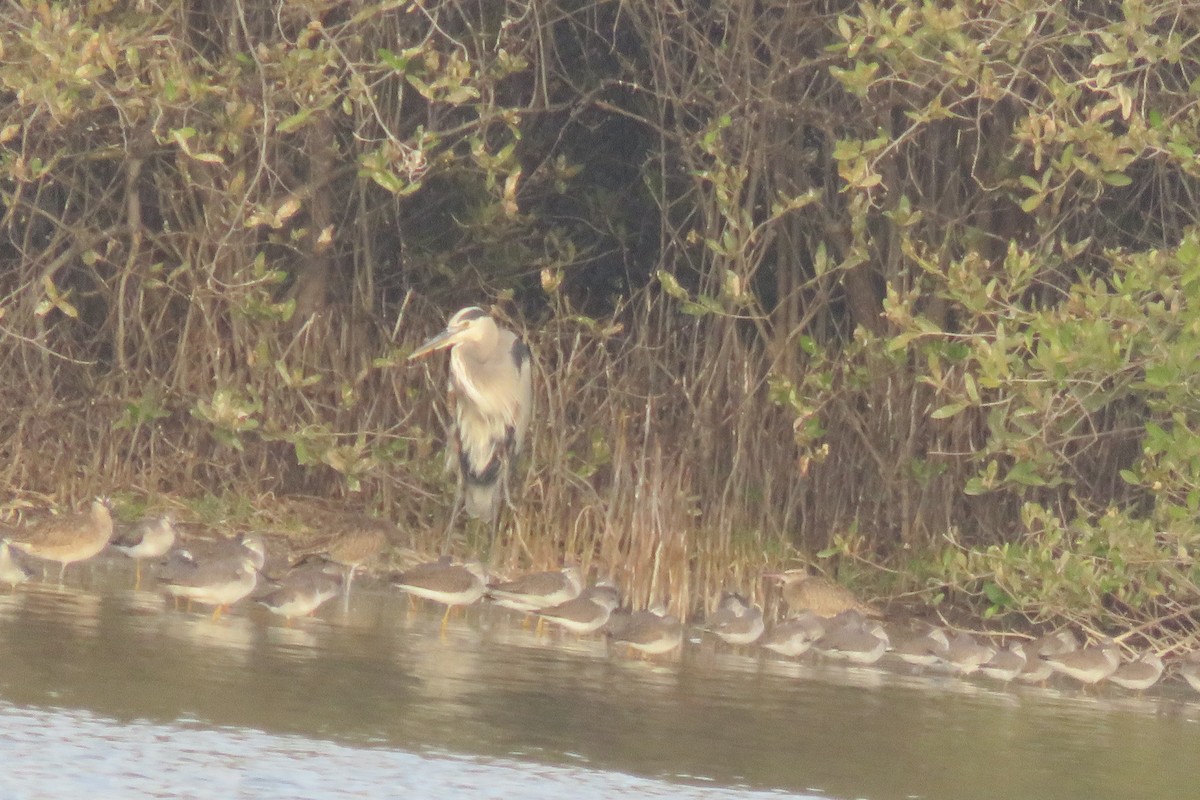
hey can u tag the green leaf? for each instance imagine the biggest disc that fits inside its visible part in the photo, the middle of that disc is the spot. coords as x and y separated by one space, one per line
947 411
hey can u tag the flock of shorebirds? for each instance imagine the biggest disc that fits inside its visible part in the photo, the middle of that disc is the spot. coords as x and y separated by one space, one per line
824 617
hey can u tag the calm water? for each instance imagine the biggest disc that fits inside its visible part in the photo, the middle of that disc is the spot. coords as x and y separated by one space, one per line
111 693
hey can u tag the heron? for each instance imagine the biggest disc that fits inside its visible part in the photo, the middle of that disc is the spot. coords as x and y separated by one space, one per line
491 389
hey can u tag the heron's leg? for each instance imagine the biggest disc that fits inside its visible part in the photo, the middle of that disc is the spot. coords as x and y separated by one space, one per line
454 511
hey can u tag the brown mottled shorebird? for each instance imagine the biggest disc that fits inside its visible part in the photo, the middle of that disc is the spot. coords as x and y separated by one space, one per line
149 538
351 546
218 581
818 594
537 590
67 538
1139 675
12 570
736 620
1089 665
304 589
1006 664
445 582
587 613
652 632
795 635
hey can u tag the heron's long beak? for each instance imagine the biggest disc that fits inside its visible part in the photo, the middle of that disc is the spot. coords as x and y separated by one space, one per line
443 339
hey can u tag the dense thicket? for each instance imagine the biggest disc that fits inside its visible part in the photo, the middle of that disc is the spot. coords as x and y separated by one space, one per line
885 278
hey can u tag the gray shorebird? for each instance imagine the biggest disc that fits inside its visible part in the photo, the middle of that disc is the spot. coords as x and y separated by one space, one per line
851 637
736 620
795 635
149 538
352 546
303 590
218 581
652 632
1089 665
923 649
965 655
67 538
1055 643
587 613
444 582
12 570
1138 675
1035 670
1006 664
1189 669
818 594
537 590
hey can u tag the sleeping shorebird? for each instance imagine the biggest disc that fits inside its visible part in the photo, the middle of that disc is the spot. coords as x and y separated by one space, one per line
850 636
825 598
965 655
651 632
67 538
150 538
795 635
304 589
1139 675
1189 669
923 649
1006 664
736 620
587 613
444 582
1055 643
537 590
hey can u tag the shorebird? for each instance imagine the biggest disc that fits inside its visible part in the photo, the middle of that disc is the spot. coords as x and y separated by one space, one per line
1035 670
1006 664
1089 665
207 559
150 538
537 590
303 590
218 581
67 538
794 636
851 637
1055 643
1189 669
351 546
825 598
445 582
965 655
1139 675
587 613
736 621
12 570
652 632
923 649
